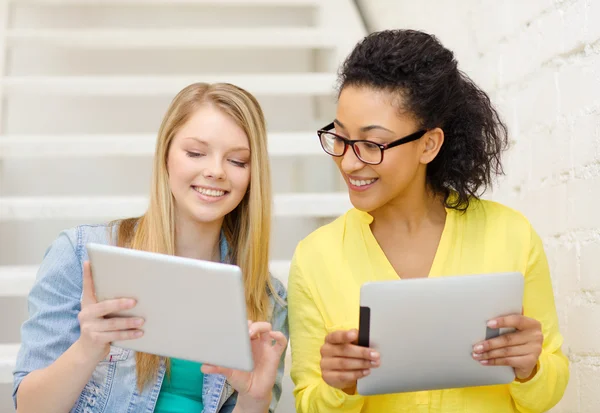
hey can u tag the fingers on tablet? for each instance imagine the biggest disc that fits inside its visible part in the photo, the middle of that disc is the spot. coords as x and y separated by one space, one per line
345 364
353 375
119 335
517 321
120 323
211 369
258 328
108 307
338 337
279 337
352 335
208 368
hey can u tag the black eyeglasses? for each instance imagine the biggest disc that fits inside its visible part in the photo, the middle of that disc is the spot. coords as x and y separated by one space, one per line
367 151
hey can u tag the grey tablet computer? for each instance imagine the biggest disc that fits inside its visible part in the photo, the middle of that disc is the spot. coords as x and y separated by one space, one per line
425 330
193 309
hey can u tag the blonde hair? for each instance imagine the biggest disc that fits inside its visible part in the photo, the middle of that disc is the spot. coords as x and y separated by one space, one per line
247 228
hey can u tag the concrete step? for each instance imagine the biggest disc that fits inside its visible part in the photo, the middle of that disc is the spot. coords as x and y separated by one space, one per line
277 84
8 356
212 3
211 38
16 281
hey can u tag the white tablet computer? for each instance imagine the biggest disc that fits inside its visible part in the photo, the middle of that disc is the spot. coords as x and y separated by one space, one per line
425 330
193 309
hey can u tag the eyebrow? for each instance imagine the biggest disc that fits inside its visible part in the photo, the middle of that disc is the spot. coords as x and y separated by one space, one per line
365 128
236 149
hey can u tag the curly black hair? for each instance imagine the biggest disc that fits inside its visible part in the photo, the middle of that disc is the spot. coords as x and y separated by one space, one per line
424 76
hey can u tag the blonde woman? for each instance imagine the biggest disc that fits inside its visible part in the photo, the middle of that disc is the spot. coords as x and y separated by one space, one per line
210 200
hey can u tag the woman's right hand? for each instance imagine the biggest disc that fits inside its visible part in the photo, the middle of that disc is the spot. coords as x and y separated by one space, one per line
343 362
97 331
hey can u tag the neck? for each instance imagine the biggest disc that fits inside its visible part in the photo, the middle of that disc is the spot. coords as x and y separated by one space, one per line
410 212
197 240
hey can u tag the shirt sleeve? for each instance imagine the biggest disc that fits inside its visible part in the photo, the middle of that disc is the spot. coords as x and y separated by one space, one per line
547 387
307 334
53 305
280 323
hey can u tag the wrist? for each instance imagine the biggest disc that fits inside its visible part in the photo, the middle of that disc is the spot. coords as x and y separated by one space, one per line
86 354
247 404
525 378
351 390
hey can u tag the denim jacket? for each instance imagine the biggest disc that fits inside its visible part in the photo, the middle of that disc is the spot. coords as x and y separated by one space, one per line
52 327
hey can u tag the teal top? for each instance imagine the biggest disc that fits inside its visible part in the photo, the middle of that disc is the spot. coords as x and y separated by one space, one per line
181 390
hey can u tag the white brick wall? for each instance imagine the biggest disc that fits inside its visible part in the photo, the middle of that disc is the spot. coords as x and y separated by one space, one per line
540 61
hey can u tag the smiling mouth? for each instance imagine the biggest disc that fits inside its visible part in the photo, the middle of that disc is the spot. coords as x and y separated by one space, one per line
210 192
362 182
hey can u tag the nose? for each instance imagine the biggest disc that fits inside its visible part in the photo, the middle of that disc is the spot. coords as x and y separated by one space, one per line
214 170
350 162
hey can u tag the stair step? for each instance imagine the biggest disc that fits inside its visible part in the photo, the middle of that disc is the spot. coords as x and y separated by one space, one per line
8 357
44 146
212 3
16 281
214 38
279 84
317 205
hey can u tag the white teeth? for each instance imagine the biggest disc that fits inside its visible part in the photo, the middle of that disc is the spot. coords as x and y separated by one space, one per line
209 192
361 182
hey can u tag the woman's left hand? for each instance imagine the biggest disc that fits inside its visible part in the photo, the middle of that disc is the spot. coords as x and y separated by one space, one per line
254 388
520 349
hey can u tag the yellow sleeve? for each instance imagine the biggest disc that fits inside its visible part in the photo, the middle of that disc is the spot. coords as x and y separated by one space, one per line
548 385
307 335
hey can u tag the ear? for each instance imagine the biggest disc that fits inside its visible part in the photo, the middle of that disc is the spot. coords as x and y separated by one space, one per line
432 143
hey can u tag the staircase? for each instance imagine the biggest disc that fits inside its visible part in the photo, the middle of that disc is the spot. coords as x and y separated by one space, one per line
84 85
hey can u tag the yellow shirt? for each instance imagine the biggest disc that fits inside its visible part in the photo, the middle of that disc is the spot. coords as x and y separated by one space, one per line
332 263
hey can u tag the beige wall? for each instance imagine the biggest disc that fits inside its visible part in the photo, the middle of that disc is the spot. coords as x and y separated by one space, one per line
540 61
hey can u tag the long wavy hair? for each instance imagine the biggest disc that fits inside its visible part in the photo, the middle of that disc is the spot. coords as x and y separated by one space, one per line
247 228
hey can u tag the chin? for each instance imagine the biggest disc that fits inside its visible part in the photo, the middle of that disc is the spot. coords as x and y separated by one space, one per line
206 219
207 215
362 204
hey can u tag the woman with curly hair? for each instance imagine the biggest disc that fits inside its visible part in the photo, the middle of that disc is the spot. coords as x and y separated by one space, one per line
417 143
